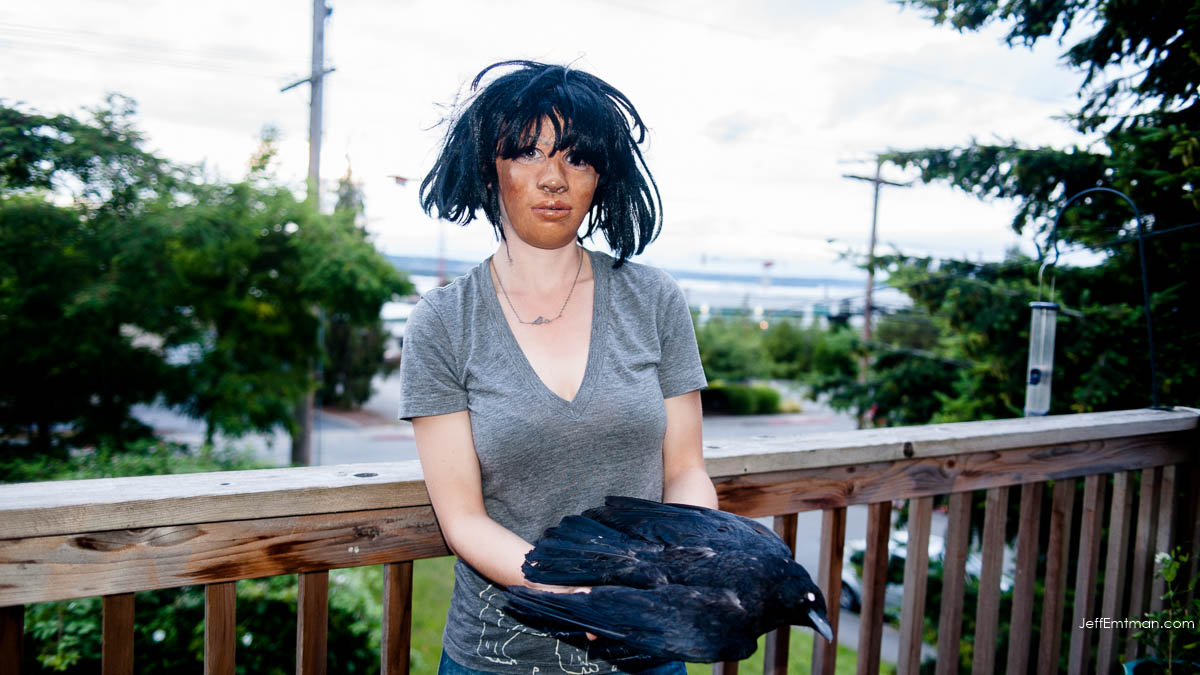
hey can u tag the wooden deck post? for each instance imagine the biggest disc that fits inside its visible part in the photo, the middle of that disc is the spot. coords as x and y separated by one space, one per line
397 617
987 612
875 568
954 560
116 646
1114 572
220 628
1021 623
1143 555
775 649
12 637
1164 531
1061 512
829 578
916 577
1090 523
312 623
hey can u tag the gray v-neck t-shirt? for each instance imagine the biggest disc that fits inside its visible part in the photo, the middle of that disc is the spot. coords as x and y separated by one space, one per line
542 457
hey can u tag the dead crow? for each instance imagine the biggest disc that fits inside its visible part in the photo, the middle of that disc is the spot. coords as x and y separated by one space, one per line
669 582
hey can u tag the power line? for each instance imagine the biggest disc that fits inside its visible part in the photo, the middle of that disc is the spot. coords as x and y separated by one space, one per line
122 48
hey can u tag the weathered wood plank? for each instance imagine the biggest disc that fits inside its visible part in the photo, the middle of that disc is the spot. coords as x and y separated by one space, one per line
1090 524
783 453
1164 535
916 578
1021 621
830 487
870 628
1143 554
1191 545
220 628
12 637
53 568
116 642
30 510
1062 510
958 533
312 623
829 578
396 636
1114 571
775 648
987 612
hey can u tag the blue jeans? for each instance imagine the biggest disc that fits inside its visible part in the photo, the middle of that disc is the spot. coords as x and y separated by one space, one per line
448 666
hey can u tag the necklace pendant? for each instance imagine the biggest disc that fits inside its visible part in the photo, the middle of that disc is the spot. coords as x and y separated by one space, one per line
539 321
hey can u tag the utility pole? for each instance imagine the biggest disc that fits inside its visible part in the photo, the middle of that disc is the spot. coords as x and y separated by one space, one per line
302 446
877 180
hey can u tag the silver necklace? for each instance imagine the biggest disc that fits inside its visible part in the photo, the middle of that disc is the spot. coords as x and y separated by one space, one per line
541 320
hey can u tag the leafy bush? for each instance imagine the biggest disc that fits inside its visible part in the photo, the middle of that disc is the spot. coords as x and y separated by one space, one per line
1171 634
739 399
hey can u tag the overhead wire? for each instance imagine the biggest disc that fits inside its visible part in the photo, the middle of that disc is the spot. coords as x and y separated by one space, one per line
121 48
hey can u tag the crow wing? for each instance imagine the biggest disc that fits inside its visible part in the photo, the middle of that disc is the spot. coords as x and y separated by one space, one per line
684 525
666 622
582 552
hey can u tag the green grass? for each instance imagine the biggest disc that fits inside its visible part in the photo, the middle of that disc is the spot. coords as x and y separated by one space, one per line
433 580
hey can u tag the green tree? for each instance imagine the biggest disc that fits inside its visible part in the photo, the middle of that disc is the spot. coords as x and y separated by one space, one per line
157 283
355 340
74 279
1141 135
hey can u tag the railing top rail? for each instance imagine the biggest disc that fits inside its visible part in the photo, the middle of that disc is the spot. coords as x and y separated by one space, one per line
762 453
65 507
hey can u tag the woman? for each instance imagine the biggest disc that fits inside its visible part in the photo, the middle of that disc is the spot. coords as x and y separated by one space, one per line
519 420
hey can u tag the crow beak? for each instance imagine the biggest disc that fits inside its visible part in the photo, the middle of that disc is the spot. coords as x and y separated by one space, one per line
820 624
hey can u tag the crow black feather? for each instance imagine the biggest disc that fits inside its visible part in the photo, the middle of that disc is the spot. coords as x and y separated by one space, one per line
669 582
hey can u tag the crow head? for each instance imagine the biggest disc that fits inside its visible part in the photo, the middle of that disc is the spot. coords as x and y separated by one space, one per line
805 603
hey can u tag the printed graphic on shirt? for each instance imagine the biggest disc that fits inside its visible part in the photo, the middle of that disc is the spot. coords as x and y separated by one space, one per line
498 630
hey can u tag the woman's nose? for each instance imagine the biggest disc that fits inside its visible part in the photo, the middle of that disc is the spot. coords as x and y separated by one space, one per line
554 175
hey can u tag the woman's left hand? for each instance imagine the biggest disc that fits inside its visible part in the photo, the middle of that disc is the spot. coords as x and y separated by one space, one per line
562 589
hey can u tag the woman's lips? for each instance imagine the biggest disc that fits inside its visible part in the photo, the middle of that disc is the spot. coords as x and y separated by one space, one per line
555 210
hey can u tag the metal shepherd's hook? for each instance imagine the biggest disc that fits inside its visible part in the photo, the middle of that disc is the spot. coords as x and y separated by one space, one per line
1141 236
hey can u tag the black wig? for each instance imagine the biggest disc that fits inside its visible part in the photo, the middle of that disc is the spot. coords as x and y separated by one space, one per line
592 120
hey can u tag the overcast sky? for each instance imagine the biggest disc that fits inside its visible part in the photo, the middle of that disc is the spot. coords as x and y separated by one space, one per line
756 107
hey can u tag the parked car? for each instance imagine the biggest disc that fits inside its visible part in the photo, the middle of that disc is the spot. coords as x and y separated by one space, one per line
852 584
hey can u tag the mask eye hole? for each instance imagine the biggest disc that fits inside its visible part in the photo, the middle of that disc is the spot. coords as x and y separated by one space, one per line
812 596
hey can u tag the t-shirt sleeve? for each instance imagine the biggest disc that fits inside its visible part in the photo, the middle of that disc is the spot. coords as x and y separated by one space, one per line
679 370
431 381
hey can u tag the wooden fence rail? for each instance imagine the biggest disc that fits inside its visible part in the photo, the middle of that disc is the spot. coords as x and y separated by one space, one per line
114 537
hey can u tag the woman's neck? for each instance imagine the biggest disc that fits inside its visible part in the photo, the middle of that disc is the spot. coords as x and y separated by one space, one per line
530 270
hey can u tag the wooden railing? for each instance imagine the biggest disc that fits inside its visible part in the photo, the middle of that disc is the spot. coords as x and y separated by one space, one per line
114 537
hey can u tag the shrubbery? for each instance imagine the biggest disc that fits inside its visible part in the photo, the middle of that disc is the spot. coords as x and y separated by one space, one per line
740 399
736 351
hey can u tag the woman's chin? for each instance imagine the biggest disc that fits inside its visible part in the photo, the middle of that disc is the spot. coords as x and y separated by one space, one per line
549 240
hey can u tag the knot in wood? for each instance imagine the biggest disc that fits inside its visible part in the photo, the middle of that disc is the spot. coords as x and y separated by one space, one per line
366 531
908 449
